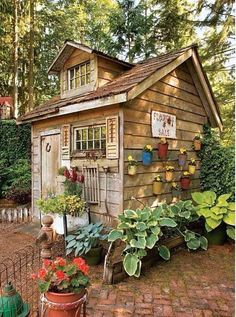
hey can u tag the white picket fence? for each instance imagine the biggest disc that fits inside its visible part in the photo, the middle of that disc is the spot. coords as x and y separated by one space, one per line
17 215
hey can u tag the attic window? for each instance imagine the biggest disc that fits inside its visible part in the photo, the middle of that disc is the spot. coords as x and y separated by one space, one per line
79 75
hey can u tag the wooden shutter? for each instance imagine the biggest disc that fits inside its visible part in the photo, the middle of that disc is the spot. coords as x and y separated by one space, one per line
65 142
112 140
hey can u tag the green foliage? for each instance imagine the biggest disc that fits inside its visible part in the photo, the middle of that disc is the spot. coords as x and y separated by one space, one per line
140 229
85 238
215 210
72 188
15 175
62 204
217 165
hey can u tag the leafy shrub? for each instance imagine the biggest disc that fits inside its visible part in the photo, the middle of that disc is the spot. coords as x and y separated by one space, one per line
217 165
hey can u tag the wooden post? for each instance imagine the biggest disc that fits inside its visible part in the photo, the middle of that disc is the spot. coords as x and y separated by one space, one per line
46 237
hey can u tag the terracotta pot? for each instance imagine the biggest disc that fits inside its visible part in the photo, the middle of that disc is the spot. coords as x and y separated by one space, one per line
162 150
169 176
132 170
147 158
197 145
182 158
185 182
157 187
63 304
192 169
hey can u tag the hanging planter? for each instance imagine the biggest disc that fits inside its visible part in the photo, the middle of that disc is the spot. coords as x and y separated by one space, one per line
175 189
132 166
182 157
169 173
157 185
185 180
197 143
192 166
162 149
147 155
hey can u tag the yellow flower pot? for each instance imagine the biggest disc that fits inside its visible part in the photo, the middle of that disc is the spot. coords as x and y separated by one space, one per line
192 169
132 170
169 176
157 188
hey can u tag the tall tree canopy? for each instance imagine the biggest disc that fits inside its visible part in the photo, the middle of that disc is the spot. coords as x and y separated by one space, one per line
130 29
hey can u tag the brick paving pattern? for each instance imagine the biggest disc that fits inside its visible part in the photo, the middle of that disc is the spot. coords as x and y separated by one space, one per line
199 284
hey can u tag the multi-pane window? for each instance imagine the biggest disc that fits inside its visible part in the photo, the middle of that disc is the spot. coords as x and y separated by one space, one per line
79 76
90 138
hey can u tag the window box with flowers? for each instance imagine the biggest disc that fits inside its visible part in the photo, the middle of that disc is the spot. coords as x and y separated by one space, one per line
63 286
157 185
192 166
162 149
169 173
132 166
182 157
185 180
147 155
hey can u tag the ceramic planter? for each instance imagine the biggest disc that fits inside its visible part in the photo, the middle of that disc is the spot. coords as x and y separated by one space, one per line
182 158
169 176
63 304
185 182
132 170
94 256
217 236
197 144
162 150
157 187
72 222
192 169
147 158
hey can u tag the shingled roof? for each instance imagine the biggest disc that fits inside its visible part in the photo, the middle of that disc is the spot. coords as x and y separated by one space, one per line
121 84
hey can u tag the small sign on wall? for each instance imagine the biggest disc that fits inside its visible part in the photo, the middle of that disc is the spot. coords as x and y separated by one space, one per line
163 125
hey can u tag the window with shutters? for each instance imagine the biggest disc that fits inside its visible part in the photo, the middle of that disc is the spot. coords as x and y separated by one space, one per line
90 138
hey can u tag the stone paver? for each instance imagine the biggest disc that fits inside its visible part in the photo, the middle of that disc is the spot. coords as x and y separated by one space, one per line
199 284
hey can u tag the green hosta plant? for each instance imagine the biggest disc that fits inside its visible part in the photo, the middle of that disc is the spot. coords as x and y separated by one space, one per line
216 210
140 229
184 212
85 238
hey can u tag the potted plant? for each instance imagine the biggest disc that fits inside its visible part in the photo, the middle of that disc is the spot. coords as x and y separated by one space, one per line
132 166
182 157
219 215
185 180
192 166
175 189
86 243
197 142
162 149
64 206
169 173
147 154
63 282
157 185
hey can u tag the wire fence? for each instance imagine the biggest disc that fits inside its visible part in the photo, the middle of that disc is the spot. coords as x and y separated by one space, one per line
17 270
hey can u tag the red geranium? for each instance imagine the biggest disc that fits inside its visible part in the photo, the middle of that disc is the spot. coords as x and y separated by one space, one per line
42 273
60 261
60 275
46 262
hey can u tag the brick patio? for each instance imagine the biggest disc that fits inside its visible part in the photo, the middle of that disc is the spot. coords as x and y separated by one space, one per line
197 284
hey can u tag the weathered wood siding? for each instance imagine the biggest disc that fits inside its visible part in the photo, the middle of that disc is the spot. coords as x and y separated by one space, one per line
175 94
108 70
114 183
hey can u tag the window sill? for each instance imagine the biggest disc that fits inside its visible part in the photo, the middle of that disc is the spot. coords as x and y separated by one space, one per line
89 154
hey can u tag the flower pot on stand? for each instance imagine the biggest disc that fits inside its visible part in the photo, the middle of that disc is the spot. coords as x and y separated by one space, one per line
192 169
169 176
63 304
197 144
157 188
185 182
132 170
162 150
147 158
182 159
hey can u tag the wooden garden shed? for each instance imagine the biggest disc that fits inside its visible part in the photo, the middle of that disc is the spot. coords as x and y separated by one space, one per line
105 112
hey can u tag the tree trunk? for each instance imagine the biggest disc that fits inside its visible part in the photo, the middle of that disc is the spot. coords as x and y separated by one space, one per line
31 58
15 59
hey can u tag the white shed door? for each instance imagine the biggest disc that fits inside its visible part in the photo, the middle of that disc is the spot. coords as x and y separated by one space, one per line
50 155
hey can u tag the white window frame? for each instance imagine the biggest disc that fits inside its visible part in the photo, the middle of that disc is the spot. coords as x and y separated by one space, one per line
87 139
86 75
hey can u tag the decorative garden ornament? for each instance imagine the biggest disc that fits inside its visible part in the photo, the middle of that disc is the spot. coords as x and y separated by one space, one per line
163 149
147 155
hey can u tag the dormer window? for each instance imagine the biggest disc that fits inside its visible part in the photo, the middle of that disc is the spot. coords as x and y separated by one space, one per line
79 75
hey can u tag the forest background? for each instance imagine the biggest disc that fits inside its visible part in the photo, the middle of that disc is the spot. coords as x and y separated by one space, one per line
32 31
